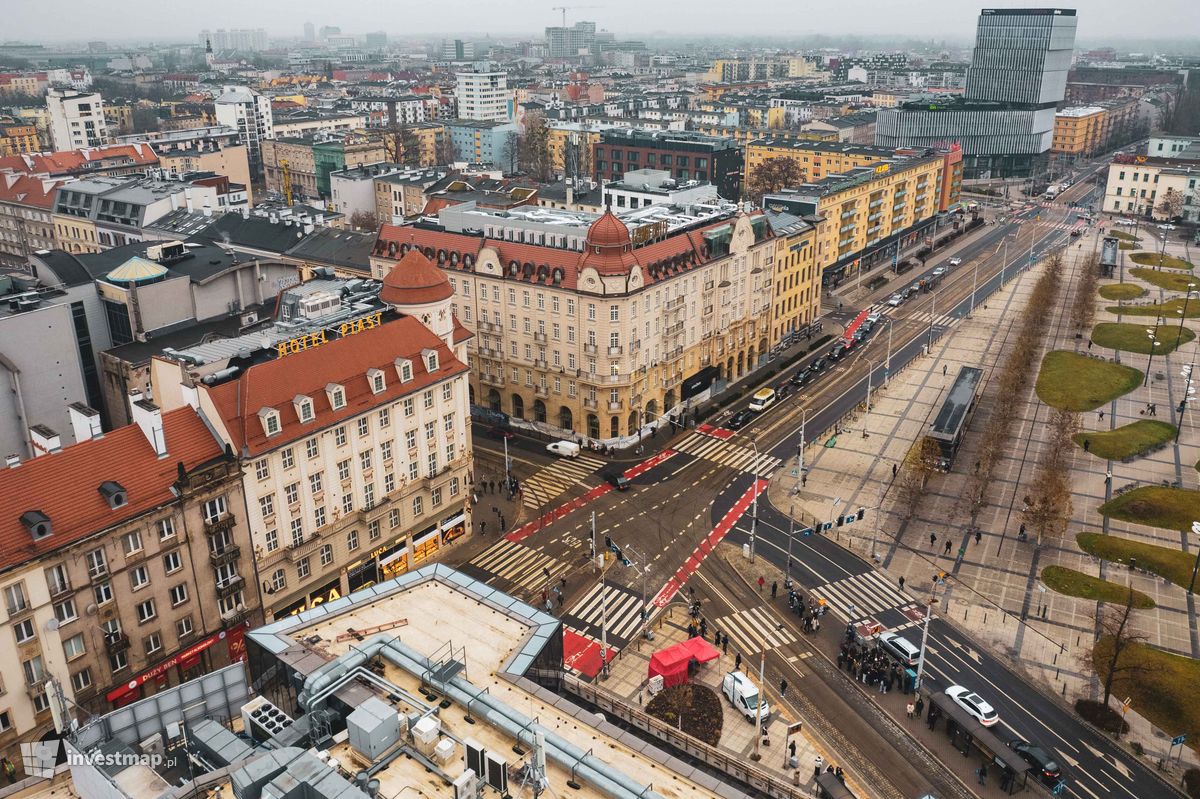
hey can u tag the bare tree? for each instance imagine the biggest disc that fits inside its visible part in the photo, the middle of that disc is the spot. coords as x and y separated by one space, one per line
364 220
1171 204
920 463
1083 311
447 153
772 175
510 152
1117 637
1049 508
533 150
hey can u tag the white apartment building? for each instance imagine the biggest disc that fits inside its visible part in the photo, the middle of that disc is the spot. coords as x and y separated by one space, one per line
483 96
1136 188
76 119
250 112
354 440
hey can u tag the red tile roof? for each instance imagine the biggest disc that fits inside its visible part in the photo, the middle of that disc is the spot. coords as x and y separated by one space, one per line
414 280
65 486
344 361
69 162
31 190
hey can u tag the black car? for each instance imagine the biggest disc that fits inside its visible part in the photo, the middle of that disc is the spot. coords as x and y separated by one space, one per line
801 377
617 480
817 366
739 420
837 351
1041 762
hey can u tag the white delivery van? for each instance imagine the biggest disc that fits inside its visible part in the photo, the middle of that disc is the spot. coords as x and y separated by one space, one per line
744 696
763 398
565 449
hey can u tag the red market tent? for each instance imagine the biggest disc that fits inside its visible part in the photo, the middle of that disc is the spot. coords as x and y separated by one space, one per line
672 663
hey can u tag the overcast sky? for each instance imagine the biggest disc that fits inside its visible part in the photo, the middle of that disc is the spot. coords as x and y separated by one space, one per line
181 20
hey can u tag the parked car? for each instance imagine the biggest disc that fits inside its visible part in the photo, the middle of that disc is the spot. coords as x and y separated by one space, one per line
955 261
1041 762
495 431
617 480
1166 226
1124 222
895 300
739 420
941 270
975 705
900 648
801 377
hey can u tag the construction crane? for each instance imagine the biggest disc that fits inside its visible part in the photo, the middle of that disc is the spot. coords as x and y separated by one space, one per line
287 180
564 10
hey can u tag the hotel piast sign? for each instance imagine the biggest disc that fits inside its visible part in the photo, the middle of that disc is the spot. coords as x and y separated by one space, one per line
310 340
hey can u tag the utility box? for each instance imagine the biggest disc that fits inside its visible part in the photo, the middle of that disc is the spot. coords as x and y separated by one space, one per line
373 727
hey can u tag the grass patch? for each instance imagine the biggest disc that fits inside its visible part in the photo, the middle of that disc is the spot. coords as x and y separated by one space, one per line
1157 506
1169 309
1126 245
1101 716
1128 440
1168 261
1078 383
1133 338
1174 564
1171 281
1076 583
1121 291
1122 235
1167 691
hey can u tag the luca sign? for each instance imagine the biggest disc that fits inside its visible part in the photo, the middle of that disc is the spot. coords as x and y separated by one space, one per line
310 340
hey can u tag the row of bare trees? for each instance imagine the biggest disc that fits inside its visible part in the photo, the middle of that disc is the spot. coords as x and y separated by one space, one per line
1012 382
1083 309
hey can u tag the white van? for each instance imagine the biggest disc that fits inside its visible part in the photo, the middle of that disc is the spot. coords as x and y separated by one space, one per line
900 648
565 449
763 398
743 695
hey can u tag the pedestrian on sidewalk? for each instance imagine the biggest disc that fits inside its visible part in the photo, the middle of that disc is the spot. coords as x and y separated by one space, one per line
982 773
947 550
902 582
783 688
944 367
725 644
932 539
1102 416
1089 343
483 528
1087 444
908 710
818 763
919 707
978 536
737 662
774 588
894 470
761 582
1154 409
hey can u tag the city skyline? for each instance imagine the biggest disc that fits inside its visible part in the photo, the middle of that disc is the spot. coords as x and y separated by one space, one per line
933 19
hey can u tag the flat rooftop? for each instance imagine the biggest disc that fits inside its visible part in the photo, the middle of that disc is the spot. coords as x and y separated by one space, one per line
437 614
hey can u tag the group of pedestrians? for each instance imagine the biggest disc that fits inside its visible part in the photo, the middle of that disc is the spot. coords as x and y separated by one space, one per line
808 610
869 665
820 765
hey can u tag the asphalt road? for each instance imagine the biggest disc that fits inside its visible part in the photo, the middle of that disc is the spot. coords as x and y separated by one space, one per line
675 505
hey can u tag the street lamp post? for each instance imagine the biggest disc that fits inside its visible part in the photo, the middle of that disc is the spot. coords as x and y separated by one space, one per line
1188 391
870 371
754 512
932 314
887 366
939 577
1196 566
974 281
1154 342
1183 313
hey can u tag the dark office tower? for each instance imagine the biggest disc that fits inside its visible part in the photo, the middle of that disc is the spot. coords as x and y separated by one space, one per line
1021 55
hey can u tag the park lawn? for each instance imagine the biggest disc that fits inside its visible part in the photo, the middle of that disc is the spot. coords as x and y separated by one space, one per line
1133 338
1165 689
1127 440
1169 309
1169 562
1122 235
1079 383
1121 291
1171 281
1076 583
1168 261
1157 506
1126 245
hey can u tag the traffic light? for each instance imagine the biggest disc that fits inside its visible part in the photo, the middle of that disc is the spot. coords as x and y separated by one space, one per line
841 521
861 511
620 555
608 542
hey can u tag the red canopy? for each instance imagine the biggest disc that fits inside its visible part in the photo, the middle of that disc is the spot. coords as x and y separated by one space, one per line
672 662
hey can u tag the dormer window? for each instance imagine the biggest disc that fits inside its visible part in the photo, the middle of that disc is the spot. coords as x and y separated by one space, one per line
37 523
304 408
337 396
270 421
431 360
404 369
375 378
114 494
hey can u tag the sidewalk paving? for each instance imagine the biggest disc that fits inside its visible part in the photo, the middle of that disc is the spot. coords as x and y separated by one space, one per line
995 582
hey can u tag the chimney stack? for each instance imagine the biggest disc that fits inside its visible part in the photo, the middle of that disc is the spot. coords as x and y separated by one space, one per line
45 441
148 417
12 461
85 422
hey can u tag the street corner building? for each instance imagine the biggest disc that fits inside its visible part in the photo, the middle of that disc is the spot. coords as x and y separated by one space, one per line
349 417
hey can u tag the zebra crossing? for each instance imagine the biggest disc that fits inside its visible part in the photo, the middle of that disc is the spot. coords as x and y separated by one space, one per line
522 568
728 453
753 630
620 607
553 479
862 595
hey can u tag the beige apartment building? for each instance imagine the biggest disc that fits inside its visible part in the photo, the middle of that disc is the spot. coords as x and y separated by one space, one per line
595 327
228 160
126 566
354 442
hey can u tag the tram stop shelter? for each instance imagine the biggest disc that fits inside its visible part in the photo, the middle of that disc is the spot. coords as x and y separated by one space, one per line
830 787
674 663
966 734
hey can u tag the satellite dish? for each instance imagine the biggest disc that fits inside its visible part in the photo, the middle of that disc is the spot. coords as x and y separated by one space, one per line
91 609
51 624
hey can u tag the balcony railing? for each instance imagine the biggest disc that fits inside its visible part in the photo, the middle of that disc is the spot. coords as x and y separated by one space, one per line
57 589
225 556
590 349
540 338
230 587
614 406
541 391
220 524
617 350
234 618
492 380
589 403
116 643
